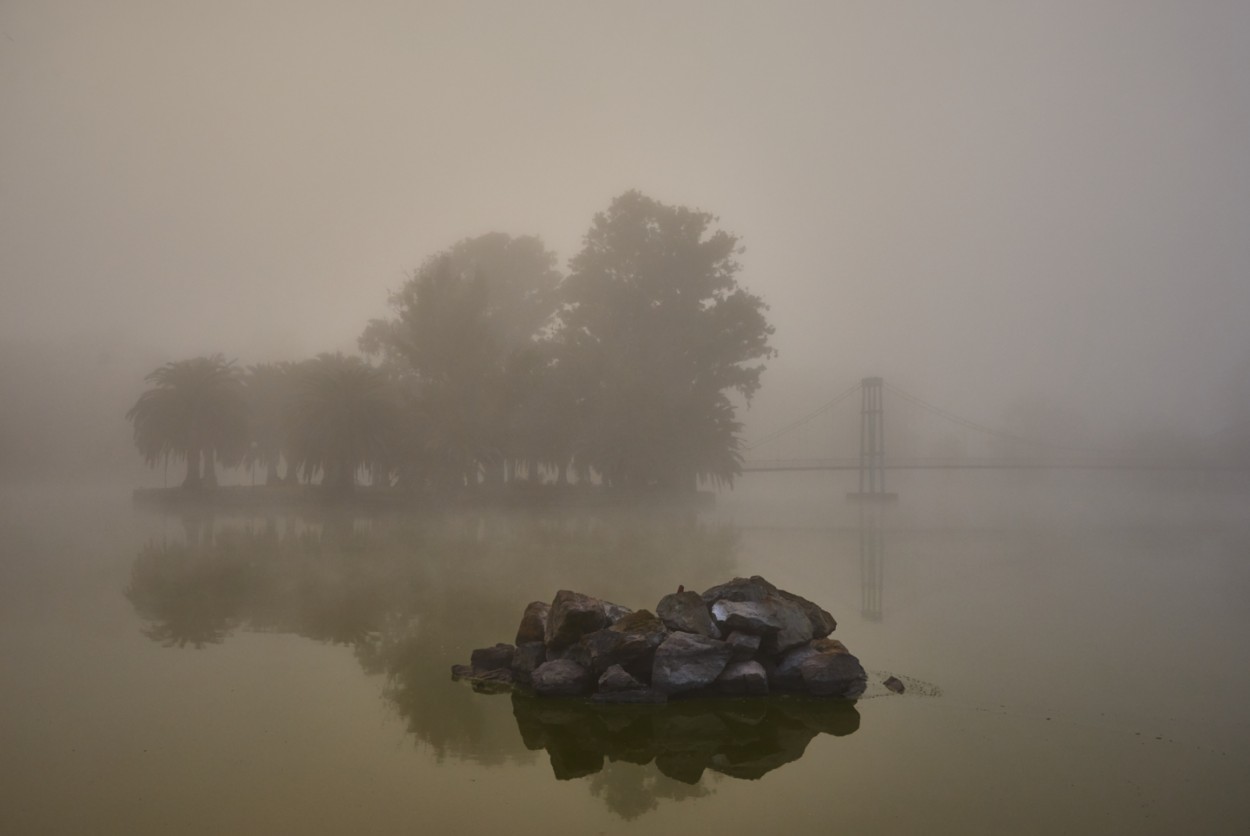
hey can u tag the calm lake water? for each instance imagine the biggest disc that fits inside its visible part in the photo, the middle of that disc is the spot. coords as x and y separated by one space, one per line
1075 647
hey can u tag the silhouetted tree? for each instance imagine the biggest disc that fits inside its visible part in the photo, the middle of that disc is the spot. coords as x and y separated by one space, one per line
270 390
656 333
195 410
345 415
464 329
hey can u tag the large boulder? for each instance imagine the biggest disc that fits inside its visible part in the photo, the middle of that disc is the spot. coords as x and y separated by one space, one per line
688 662
834 675
787 675
757 607
740 590
822 622
572 616
617 678
685 611
744 646
526 659
494 658
602 649
644 623
533 623
561 678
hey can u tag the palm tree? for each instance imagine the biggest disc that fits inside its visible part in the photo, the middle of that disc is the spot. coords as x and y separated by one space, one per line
346 415
195 411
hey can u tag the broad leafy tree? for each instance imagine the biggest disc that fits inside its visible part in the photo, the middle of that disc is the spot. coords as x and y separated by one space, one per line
196 411
656 335
345 416
464 332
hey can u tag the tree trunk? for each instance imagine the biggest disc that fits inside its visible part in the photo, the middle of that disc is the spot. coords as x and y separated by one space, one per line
210 469
192 481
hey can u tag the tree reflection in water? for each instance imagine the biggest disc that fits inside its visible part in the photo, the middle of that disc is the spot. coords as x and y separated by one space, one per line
410 595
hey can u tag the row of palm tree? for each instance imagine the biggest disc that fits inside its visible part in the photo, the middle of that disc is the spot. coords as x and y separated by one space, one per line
326 418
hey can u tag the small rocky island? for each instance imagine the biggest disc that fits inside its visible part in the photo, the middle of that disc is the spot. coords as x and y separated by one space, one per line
741 638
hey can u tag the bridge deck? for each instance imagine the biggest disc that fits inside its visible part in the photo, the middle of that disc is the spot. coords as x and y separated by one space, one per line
787 465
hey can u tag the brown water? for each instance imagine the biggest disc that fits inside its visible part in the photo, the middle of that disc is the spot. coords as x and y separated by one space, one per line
1076 655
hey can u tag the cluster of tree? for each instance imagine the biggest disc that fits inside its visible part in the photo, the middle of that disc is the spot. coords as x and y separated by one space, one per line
493 367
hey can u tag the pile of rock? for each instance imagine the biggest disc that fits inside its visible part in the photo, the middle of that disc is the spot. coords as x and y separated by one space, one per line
745 637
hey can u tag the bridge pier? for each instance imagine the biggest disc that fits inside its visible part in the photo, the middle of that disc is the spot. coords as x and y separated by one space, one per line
872 444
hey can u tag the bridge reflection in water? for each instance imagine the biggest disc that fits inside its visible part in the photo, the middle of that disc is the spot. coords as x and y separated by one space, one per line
871 562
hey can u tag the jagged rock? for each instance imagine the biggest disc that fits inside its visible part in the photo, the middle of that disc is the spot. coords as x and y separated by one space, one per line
834 675
687 662
785 619
685 611
494 658
787 675
752 617
894 684
526 660
602 649
744 679
615 612
743 645
822 622
781 623
643 623
561 678
617 686
740 590
572 616
616 678
533 623
579 644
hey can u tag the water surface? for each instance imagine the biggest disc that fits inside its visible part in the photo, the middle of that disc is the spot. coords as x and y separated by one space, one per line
203 672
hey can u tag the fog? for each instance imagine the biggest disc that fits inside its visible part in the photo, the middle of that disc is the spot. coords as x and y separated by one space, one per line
989 204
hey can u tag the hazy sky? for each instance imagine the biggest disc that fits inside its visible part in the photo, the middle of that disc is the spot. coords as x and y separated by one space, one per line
979 200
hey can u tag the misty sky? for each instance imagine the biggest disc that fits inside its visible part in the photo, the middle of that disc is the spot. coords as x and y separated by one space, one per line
982 201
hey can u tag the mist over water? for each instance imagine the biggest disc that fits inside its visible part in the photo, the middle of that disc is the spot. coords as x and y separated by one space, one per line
601 289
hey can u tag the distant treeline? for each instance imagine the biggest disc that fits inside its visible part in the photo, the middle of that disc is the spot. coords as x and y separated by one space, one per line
493 367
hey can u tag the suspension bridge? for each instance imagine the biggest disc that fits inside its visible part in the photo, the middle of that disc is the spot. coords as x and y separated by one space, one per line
960 444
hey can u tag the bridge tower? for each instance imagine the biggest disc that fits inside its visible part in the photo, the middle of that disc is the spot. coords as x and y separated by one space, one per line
872 444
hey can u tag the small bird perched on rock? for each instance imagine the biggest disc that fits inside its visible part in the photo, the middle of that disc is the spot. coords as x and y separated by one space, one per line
681 588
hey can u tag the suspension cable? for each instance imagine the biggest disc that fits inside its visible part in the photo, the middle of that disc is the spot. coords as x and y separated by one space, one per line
794 425
970 424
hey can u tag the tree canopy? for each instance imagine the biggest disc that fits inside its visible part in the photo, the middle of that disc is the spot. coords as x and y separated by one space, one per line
195 411
659 332
465 329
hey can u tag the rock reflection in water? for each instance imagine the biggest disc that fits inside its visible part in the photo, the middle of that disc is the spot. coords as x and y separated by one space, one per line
739 738
406 594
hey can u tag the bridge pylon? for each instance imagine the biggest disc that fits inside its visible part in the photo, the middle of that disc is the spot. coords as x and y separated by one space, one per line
872 444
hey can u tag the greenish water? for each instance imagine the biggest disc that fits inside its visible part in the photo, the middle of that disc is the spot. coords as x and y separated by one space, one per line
1075 651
